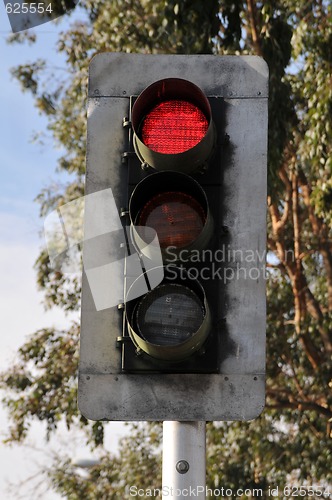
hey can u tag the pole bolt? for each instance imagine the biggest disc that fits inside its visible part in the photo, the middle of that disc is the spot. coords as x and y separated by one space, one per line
182 466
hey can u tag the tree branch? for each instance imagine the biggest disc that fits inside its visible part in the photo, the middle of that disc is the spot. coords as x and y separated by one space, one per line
253 27
301 406
320 230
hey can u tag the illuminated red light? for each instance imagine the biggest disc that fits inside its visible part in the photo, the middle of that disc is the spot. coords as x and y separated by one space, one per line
173 126
177 218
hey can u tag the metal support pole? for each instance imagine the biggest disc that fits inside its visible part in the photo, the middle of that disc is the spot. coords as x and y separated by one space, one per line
184 460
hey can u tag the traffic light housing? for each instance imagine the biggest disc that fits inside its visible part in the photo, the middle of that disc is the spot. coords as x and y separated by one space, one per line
181 142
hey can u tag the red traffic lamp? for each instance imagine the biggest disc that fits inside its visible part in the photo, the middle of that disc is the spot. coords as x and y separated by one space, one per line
173 127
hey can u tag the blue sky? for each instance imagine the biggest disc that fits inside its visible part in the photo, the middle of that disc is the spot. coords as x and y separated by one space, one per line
25 168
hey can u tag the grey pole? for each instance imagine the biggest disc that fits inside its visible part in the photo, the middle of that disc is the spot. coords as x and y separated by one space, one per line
184 460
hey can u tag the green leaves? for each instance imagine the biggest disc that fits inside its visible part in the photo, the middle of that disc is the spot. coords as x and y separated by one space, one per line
43 381
28 75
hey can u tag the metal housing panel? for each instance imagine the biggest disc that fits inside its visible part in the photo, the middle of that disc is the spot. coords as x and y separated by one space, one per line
119 75
237 392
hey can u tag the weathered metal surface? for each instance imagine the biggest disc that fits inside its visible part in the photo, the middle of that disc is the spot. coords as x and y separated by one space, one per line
237 391
113 75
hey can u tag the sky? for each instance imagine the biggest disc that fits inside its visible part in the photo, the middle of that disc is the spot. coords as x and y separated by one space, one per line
26 168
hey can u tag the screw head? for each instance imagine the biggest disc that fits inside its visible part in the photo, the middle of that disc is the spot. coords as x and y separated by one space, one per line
182 466
145 166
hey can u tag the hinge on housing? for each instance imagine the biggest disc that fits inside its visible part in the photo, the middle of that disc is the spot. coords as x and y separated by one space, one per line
126 155
126 122
120 340
123 211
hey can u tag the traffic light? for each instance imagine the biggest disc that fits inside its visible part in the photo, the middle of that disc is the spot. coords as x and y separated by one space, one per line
181 143
173 135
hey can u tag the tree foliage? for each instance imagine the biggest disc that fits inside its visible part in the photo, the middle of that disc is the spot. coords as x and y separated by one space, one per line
291 439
